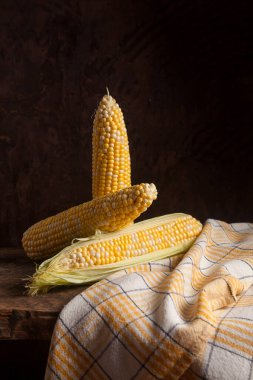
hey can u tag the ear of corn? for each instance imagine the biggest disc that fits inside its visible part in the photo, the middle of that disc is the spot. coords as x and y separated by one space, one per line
109 213
96 257
111 170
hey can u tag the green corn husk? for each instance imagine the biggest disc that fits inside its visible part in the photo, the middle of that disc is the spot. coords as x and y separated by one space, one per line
50 274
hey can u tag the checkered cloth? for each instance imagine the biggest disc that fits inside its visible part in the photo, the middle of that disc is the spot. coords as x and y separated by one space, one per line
188 317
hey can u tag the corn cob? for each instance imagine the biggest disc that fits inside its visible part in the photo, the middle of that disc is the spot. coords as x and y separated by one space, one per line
111 170
95 257
109 213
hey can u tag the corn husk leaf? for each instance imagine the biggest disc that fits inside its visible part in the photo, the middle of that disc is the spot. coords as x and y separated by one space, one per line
49 274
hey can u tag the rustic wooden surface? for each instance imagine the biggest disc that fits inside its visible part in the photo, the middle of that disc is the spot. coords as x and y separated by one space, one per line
21 316
182 72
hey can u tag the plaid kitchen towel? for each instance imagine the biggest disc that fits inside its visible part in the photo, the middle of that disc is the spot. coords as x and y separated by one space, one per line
186 317
229 354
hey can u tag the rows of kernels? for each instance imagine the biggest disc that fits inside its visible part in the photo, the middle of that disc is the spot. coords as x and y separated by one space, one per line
111 169
49 234
108 213
138 243
128 204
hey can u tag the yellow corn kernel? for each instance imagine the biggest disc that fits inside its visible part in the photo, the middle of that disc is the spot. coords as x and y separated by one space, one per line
95 257
108 213
111 166
145 237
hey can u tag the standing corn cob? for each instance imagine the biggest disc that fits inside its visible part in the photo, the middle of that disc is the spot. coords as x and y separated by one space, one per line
111 170
96 257
108 213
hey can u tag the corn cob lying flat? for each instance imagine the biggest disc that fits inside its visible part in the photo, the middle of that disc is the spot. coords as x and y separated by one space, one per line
109 213
111 168
97 256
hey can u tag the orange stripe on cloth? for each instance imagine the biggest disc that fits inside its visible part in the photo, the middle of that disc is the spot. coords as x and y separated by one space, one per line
120 320
74 351
165 325
78 354
234 345
166 351
131 332
245 301
60 354
237 337
131 328
229 321
164 361
53 367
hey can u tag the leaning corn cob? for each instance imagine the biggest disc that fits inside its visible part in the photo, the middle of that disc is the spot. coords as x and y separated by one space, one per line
111 170
109 213
95 257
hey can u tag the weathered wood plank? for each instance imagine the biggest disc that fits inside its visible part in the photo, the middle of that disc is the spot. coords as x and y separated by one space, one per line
22 316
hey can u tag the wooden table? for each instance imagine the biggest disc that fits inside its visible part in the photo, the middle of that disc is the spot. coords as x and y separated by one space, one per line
22 316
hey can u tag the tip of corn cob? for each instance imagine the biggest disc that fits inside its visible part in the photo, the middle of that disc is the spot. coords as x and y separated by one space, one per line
150 190
128 204
111 163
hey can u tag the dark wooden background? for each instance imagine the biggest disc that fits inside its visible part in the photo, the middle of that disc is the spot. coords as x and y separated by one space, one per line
182 73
